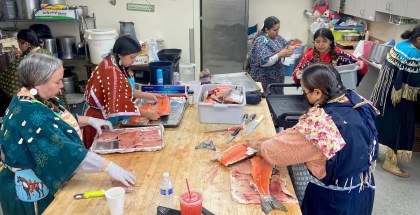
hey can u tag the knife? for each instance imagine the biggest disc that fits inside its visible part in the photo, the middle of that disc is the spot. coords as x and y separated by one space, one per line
252 117
244 119
225 129
233 135
253 125
90 194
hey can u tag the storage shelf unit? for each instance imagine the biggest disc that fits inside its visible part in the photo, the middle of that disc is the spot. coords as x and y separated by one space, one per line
80 22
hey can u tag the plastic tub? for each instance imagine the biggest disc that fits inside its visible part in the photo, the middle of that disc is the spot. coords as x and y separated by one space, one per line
187 72
169 54
220 113
100 43
338 34
348 75
166 67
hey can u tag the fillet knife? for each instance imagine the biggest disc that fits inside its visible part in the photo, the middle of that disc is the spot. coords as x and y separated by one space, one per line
225 129
252 125
233 135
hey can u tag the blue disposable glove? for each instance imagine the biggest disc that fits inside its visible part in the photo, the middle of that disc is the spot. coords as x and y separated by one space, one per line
98 123
119 174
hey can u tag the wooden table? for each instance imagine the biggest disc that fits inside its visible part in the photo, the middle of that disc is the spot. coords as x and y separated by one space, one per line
182 161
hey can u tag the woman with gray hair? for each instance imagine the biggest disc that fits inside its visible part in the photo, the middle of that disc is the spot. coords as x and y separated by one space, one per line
41 136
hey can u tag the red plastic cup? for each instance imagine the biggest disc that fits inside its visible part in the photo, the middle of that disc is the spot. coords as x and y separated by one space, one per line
193 205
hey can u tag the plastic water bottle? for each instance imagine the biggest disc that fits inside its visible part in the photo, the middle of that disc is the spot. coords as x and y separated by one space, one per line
166 192
176 78
159 76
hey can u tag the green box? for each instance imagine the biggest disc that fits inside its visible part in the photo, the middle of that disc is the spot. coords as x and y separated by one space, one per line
141 7
55 15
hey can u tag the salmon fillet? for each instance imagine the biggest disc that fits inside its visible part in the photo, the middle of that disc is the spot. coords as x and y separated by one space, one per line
234 154
162 106
261 174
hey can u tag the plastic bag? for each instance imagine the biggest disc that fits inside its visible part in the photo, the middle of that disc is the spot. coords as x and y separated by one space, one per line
358 51
321 6
320 23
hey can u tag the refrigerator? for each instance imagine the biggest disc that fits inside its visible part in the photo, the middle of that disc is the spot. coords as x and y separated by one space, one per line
224 32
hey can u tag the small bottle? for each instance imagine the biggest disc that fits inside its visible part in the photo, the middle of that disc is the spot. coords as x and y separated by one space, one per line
367 36
166 192
175 78
205 76
159 75
160 44
190 98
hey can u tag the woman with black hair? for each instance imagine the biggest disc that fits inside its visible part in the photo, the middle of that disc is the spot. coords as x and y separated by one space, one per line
326 51
336 139
9 80
110 89
265 54
396 93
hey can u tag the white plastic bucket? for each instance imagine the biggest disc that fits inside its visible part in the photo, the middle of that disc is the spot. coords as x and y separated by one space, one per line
100 42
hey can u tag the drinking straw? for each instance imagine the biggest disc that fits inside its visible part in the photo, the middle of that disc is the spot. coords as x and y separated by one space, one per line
188 186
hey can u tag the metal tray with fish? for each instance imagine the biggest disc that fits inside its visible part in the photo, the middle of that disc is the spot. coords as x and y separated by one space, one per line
178 105
238 78
126 140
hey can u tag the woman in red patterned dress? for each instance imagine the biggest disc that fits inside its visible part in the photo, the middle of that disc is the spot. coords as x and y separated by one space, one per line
110 90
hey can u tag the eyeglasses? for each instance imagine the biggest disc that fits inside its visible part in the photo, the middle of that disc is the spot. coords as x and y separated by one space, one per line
306 93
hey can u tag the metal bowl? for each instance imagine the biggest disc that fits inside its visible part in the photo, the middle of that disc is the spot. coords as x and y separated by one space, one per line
351 37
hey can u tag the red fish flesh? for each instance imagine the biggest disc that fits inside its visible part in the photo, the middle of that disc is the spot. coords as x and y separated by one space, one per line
234 154
242 192
261 175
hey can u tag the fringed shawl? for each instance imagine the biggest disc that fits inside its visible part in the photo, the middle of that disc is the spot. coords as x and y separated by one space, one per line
401 72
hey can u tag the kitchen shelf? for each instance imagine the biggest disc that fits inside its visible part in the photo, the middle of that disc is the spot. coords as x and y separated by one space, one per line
36 21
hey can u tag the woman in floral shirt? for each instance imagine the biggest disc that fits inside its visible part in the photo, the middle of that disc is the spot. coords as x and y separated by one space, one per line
337 141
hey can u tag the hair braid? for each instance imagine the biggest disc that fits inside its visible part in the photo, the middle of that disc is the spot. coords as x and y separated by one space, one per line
52 103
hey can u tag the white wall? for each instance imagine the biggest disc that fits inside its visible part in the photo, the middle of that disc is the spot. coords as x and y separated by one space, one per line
170 21
385 31
293 23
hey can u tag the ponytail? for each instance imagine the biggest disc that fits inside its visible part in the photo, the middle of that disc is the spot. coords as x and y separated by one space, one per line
411 35
406 35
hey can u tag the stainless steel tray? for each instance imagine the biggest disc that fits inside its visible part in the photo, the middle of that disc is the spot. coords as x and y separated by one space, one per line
239 78
178 105
112 146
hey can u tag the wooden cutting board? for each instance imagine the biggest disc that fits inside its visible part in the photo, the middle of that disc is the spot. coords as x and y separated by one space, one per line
346 44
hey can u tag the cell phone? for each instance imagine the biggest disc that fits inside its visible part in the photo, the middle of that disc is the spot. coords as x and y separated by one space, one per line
167 211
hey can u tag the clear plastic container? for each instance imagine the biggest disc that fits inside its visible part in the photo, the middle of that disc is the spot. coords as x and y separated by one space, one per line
187 72
166 192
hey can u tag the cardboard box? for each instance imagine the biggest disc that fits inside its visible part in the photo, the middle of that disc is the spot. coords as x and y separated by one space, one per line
55 15
220 113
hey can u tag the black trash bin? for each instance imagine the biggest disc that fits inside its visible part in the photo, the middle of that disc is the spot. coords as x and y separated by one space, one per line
169 54
166 67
